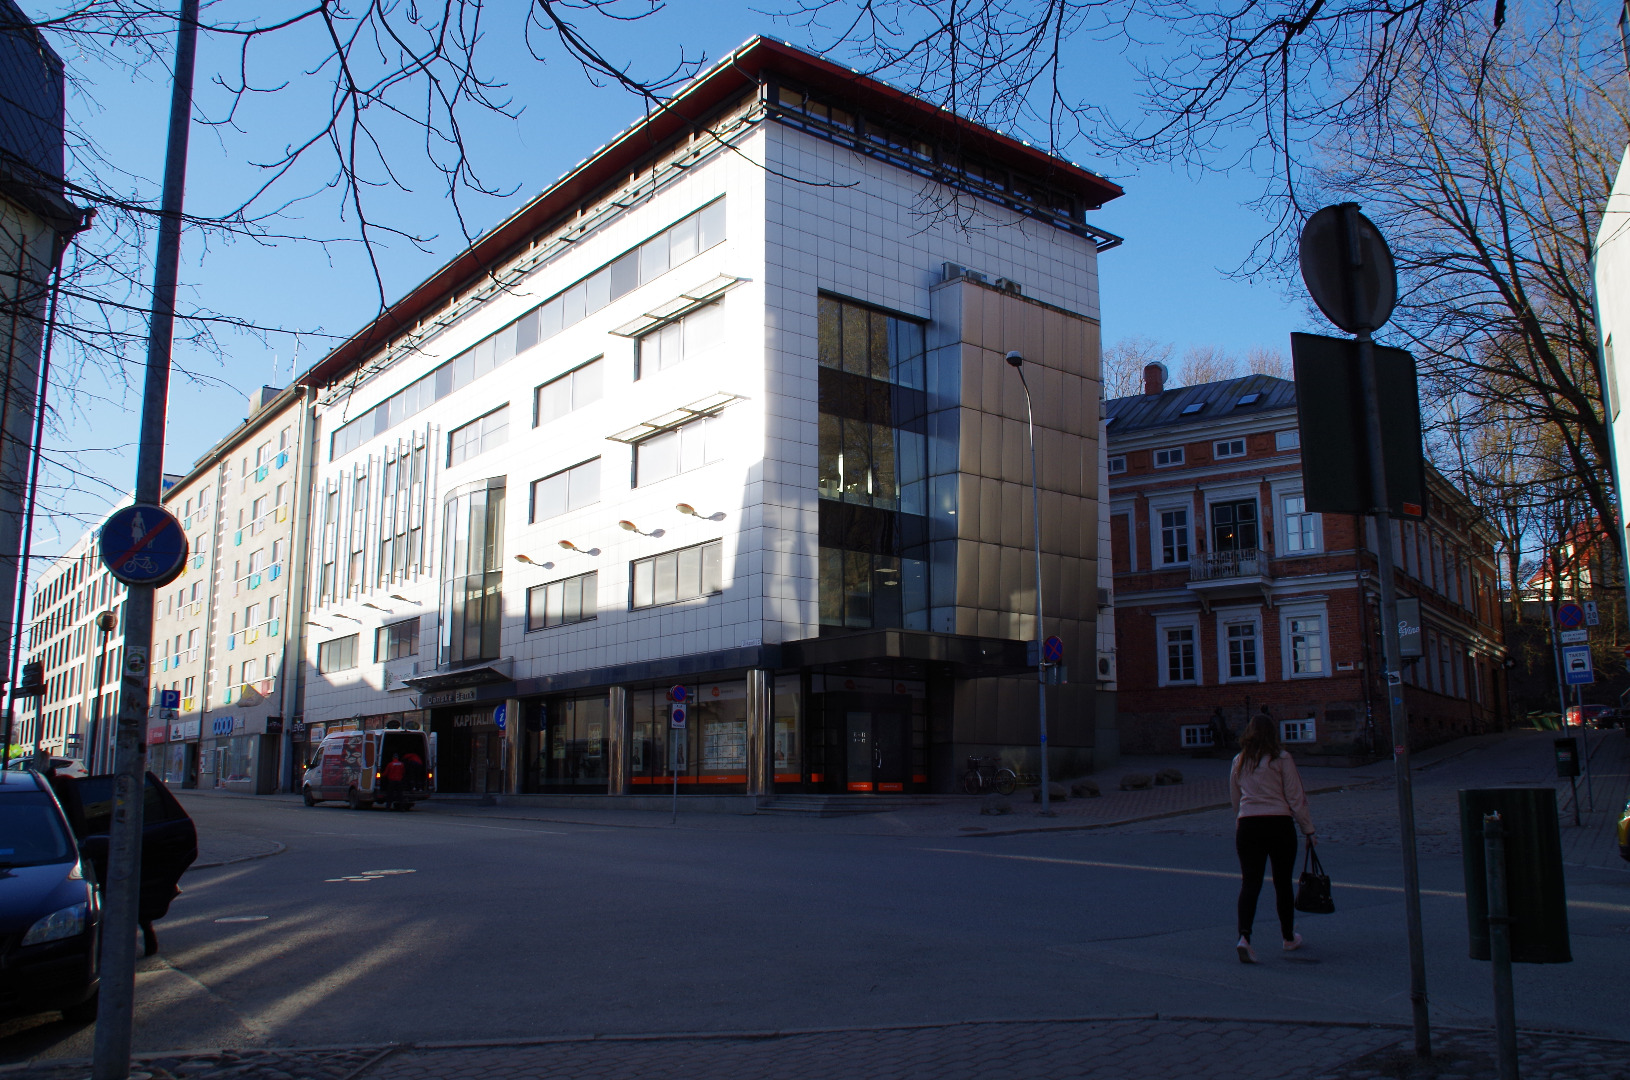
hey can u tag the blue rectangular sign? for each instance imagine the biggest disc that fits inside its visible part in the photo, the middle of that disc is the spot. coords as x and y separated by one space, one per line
1577 669
169 699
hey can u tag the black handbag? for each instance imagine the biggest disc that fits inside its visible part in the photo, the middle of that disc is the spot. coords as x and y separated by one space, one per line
1313 891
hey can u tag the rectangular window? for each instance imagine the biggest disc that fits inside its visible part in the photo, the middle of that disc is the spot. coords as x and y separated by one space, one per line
1300 526
1287 440
1174 536
1233 526
679 575
1307 645
478 436
565 491
396 640
561 603
1195 736
1297 731
1228 448
570 392
679 341
698 443
1117 464
339 654
1242 651
1180 654
1172 455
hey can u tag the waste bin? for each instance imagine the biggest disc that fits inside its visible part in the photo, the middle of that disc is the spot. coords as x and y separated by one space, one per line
1538 901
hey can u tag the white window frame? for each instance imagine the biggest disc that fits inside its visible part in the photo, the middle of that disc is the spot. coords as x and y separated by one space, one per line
1196 736
1174 457
1157 545
1300 731
1289 439
1116 464
1286 653
1224 449
1251 617
1191 622
1281 523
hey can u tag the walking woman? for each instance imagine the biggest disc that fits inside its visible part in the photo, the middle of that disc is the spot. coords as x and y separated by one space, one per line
1270 804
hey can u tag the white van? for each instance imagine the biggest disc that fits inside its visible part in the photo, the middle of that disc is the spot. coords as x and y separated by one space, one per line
350 766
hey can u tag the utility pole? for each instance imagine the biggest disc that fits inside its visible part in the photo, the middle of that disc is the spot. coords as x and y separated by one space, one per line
121 891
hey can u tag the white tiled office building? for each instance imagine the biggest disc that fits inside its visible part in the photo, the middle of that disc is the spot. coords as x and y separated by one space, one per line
726 409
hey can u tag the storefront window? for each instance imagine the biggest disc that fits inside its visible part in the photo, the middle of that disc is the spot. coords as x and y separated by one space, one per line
572 748
787 707
235 760
712 746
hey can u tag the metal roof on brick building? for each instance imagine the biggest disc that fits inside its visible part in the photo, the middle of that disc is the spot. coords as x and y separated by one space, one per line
1199 404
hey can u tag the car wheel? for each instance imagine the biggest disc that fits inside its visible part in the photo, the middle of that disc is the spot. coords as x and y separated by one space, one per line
353 799
311 800
84 1012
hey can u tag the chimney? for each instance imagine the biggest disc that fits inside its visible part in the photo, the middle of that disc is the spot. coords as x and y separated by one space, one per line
1154 378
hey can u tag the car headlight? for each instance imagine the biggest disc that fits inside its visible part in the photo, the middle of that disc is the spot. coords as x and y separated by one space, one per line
66 923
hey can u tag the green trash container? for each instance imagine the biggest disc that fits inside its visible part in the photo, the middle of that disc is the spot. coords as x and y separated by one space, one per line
1537 897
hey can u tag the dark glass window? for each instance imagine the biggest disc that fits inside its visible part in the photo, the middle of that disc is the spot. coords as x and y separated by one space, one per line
339 654
560 603
478 436
1233 526
472 576
679 575
397 640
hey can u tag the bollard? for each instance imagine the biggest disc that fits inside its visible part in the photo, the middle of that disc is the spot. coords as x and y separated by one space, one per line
1499 920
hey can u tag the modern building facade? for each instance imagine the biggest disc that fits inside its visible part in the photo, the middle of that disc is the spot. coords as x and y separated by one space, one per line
227 633
724 415
1231 595
1611 264
78 657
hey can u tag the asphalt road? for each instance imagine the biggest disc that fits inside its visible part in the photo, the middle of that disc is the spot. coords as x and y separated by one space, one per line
375 927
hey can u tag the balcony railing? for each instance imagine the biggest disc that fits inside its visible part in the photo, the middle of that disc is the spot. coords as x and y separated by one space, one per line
1216 565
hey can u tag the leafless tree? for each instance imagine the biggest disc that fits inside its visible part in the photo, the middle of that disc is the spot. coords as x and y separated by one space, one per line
1125 360
1206 363
1266 360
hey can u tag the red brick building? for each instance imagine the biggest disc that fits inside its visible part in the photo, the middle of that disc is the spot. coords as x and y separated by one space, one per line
1229 595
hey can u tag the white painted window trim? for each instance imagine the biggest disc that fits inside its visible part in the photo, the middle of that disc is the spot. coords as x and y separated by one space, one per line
1219 453
1180 451
1240 617
1281 528
1305 729
1157 506
1111 462
1164 623
1287 439
1298 611
1195 736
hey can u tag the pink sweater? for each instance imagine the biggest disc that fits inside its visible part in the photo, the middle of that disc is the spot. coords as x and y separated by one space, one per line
1272 788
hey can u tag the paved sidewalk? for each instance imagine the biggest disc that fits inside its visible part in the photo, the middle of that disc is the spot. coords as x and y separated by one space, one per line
1140 1048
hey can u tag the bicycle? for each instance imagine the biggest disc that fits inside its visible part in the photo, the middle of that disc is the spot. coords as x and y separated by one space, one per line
987 772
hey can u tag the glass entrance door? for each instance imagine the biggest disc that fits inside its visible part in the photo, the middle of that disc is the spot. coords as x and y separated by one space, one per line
877 757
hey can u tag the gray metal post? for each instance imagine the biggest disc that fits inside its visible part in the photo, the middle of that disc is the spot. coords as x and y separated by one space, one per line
1505 1009
1556 661
1584 748
120 892
1399 716
1017 361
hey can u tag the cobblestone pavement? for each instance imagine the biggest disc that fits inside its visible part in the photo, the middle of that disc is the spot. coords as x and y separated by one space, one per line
1126 1049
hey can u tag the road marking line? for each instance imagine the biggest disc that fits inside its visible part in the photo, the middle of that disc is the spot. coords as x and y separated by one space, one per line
1587 905
244 918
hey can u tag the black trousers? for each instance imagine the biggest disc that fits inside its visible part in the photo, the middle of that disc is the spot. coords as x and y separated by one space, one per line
1257 840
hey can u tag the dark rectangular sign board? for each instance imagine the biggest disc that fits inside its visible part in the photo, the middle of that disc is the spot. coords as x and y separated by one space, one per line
1330 414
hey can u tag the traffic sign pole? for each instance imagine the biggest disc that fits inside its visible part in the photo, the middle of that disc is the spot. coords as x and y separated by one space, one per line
120 892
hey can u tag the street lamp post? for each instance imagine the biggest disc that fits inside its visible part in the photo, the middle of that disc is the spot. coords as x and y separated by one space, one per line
106 622
1017 362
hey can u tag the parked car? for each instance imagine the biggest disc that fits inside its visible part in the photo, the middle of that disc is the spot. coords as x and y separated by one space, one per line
50 907
169 841
1597 716
350 765
62 766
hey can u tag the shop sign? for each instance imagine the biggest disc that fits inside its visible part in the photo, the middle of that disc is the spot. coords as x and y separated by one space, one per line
156 733
473 720
316 733
221 725
448 697
274 725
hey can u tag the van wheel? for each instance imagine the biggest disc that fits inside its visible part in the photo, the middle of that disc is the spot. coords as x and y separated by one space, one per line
353 799
311 800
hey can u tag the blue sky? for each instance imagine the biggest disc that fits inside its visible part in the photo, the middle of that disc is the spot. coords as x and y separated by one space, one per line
1168 281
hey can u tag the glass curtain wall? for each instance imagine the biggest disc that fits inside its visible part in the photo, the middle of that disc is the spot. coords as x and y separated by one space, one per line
873 469
472 573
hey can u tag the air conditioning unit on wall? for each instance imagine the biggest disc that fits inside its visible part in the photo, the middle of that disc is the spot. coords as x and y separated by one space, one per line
1106 667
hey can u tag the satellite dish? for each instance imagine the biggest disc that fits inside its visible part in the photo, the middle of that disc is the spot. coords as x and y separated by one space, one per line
1348 268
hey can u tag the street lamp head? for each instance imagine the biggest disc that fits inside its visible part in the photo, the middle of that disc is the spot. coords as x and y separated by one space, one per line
1015 358
107 622
628 526
569 546
686 509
